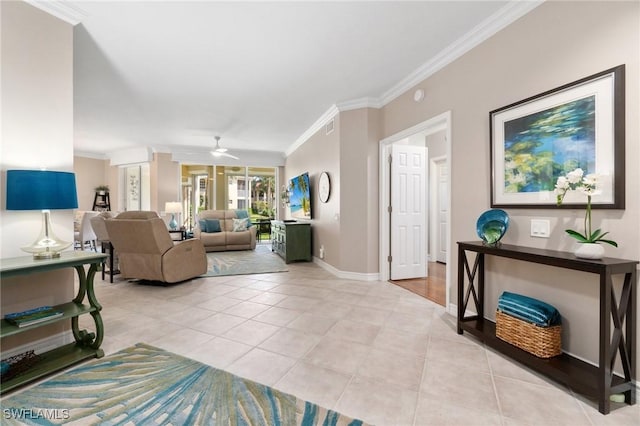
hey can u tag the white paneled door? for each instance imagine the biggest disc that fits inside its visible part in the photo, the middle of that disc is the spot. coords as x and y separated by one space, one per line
408 212
443 202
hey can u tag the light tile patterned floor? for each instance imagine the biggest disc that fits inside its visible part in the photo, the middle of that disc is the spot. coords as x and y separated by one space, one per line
370 350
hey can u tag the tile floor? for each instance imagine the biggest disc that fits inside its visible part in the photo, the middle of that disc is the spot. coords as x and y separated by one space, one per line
370 350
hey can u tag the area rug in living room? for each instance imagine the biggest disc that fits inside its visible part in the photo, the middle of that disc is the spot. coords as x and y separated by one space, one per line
146 385
244 262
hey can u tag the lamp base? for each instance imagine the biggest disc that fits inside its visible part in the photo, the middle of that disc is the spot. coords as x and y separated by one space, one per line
47 255
47 245
173 224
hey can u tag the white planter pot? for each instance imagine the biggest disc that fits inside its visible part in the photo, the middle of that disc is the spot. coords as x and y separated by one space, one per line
589 251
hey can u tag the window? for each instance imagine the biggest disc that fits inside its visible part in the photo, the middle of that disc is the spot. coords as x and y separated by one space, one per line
229 187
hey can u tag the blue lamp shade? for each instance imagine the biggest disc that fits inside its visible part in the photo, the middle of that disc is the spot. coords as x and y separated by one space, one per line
41 190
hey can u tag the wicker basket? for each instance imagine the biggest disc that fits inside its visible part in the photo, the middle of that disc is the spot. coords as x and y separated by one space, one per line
543 342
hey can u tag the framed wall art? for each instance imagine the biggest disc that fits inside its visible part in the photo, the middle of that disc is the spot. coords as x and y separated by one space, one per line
132 182
538 139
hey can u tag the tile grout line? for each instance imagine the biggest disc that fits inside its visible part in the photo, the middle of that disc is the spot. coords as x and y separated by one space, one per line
422 377
493 383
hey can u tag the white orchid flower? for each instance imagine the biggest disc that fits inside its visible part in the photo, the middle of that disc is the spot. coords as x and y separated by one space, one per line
575 176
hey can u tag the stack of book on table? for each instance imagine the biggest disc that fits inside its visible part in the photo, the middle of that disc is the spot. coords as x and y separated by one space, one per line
32 316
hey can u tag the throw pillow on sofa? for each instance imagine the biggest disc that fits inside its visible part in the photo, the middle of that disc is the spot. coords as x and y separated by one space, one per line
240 225
243 214
210 225
213 225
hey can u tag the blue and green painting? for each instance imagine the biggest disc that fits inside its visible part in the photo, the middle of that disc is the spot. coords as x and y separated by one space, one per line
540 147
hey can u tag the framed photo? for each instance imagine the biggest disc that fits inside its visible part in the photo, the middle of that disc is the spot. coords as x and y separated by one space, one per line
536 140
132 179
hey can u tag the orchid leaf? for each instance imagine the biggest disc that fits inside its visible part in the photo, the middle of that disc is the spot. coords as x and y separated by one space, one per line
613 243
596 234
577 236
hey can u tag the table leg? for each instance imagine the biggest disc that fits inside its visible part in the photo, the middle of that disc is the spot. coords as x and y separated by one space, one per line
86 287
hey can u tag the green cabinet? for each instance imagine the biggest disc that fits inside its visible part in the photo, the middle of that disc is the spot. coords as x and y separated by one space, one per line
291 240
87 343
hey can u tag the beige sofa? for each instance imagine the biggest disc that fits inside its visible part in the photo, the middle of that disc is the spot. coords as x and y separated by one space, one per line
146 251
226 238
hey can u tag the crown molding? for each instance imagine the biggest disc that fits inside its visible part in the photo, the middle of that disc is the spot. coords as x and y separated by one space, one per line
87 154
506 15
64 10
494 23
320 122
360 103
329 115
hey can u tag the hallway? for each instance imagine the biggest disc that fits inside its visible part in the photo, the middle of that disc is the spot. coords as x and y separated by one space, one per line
432 287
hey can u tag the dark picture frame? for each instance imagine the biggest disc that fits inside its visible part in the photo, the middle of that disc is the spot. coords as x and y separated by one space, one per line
538 139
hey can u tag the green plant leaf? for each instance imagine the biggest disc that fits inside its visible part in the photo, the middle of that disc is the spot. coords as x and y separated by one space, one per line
578 236
596 234
613 243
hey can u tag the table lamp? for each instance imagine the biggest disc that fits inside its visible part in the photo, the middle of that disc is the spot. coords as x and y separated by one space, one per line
42 190
173 207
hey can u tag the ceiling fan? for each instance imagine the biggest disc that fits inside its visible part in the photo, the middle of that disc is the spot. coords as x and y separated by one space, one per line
221 152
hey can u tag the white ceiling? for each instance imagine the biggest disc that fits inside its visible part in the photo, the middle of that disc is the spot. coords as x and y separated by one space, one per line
171 75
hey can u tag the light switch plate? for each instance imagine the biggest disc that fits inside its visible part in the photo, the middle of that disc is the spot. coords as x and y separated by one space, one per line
540 228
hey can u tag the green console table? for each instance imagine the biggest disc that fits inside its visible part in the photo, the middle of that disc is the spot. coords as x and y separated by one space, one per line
87 344
291 240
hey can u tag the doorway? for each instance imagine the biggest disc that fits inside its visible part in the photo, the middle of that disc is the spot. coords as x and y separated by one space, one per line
441 125
432 287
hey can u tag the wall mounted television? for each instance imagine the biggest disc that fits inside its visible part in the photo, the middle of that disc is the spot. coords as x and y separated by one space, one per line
300 197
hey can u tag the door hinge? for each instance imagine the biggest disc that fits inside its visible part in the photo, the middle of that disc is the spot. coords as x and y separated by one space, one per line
389 259
389 209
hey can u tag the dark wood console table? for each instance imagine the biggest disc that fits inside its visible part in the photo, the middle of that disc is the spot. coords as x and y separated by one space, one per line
595 381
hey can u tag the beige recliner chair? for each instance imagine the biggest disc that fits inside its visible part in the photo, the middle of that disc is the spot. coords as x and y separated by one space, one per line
146 251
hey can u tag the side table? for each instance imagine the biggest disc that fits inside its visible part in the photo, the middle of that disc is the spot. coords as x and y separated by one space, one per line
107 248
86 343
617 319
181 234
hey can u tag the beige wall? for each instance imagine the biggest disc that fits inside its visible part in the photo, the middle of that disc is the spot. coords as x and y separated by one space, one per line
437 144
557 43
90 173
37 132
165 184
359 137
321 153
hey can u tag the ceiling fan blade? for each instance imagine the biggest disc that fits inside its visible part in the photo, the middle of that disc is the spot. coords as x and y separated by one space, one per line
223 154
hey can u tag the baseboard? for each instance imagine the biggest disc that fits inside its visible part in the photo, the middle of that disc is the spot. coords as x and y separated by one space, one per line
356 276
41 345
452 310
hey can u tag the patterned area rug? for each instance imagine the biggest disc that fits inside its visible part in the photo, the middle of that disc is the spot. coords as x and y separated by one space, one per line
146 385
244 262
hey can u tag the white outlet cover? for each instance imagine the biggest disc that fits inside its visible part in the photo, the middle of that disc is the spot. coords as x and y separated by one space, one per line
540 228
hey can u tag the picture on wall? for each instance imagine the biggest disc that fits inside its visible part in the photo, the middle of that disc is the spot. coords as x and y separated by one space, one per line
534 141
132 182
300 197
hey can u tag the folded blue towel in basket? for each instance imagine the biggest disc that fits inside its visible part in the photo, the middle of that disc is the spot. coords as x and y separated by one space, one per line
528 309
